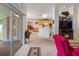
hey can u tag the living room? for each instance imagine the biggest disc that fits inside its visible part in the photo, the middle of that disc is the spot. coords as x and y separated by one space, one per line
60 14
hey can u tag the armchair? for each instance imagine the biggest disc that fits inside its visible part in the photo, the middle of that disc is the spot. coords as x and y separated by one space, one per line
64 48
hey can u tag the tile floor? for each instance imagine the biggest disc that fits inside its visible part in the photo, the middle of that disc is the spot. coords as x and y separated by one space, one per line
47 46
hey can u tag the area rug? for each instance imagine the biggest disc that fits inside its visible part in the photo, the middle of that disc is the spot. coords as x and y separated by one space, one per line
34 51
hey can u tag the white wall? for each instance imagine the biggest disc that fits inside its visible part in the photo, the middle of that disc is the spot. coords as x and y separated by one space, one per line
78 22
66 8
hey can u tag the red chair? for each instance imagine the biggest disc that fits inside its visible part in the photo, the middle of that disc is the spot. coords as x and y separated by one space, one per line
64 48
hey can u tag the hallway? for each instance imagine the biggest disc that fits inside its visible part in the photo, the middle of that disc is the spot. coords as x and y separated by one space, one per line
47 46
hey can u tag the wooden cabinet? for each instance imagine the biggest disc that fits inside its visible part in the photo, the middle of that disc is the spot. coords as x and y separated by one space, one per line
46 21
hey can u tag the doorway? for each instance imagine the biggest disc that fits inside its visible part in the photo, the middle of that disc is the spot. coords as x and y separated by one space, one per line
66 21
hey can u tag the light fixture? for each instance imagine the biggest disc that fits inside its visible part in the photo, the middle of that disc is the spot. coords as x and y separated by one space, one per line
44 15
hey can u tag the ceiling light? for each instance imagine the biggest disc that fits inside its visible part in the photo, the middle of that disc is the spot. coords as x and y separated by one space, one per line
45 15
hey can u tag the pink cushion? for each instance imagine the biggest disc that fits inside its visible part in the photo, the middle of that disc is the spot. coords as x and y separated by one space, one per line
76 52
64 48
57 39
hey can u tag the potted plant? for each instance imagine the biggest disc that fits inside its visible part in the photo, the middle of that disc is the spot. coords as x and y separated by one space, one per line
65 13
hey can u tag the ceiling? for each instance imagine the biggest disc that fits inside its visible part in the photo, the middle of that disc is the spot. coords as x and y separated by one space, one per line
35 11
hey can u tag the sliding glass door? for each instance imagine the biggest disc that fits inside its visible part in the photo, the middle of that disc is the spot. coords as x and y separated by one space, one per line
5 41
16 41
